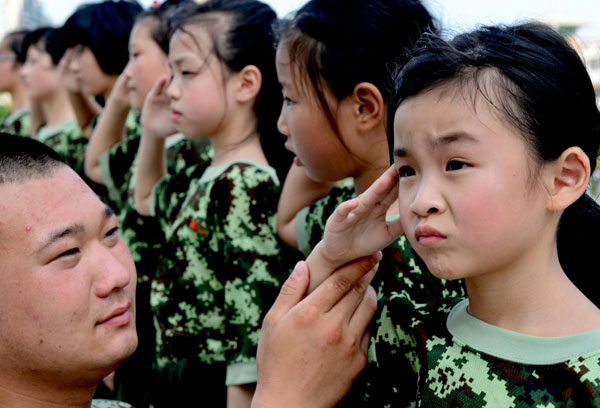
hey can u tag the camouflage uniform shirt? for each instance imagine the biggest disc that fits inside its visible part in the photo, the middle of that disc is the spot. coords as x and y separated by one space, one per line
437 355
104 403
226 270
68 141
143 235
17 123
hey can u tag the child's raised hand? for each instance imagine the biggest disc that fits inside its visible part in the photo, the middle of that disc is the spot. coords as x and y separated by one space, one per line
69 78
359 227
156 113
120 94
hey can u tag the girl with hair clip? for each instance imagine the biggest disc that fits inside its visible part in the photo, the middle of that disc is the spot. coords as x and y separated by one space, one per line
218 217
97 35
11 60
491 183
333 64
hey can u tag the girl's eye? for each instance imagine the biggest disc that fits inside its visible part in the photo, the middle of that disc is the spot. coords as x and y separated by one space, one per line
456 165
187 73
112 232
287 101
406 171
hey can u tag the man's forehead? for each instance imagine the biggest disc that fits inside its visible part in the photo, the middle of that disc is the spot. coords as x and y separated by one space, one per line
42 202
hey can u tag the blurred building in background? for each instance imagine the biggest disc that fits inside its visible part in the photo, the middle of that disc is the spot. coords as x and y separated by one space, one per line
21 14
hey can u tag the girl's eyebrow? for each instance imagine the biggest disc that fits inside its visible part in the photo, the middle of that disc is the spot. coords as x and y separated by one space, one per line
448 139
440 142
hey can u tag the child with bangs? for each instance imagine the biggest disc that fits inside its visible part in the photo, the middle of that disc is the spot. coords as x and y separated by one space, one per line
490 181
219 218
17 120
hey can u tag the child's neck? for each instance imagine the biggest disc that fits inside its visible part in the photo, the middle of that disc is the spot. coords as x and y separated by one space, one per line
20 101
534 298
58 110
238 139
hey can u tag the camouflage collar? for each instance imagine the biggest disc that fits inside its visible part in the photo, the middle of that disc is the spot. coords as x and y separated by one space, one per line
517 347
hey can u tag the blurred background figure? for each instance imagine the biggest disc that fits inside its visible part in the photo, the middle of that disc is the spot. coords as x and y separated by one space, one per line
14 110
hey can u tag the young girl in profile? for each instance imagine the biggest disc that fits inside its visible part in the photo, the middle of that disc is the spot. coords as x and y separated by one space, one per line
11 62
96 35
219 218
333 64
491 184
111 160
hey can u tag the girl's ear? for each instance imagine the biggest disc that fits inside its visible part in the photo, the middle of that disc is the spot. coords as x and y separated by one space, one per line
368 106
568 178
249 81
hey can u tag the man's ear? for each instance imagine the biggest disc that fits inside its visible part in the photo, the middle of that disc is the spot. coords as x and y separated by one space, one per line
567 178
368 106
249 81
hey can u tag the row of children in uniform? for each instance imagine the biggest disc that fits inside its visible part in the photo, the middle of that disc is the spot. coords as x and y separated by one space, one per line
174 116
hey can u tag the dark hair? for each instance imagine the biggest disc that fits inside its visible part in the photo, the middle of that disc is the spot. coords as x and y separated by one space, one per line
340 45
160 14
245 39
538 85
23 158
104 28
46 39
15 44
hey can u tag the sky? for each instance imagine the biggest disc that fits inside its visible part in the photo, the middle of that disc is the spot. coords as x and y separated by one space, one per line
455 15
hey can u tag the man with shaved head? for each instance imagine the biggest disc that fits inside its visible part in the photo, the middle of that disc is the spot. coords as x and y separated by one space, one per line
67 283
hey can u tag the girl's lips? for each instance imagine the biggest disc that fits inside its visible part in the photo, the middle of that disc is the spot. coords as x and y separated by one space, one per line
426 235
175 116
297 161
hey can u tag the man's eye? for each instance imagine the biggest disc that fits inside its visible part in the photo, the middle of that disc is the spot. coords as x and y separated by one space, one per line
70 252
112 232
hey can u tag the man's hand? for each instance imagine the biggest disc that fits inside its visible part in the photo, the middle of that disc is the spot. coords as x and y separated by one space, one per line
311 350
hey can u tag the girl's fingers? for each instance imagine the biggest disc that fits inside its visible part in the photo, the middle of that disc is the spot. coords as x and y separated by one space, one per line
341 212
381 194
159 87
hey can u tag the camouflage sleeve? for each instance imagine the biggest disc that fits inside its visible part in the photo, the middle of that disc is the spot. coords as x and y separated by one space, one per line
71 144
309 223
243 206
116 165
18 124
391 376
184 154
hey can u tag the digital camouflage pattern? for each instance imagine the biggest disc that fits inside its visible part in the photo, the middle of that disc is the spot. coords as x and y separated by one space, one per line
145 239
414 361
17 123
68 141
227 267
143 235
103 403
